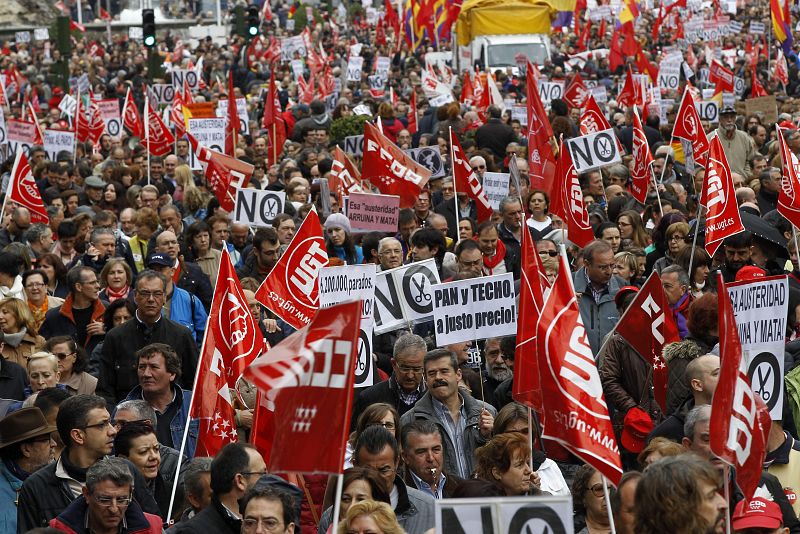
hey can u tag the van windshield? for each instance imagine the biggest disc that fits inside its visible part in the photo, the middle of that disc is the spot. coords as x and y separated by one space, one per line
502 55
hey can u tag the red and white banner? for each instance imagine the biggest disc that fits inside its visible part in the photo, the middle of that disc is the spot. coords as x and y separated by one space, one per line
629 96
575 411
541 160
131 118
575 94
224 174
789 194
466 180
567 200
740 420
306 388
22 189
688 126
592 118
412 113
720 76
158 139
344 177
641 172
291 289
232 126
648 325
390 169
718 196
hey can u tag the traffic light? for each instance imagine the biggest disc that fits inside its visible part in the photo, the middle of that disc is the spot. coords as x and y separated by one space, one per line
253 20
149 27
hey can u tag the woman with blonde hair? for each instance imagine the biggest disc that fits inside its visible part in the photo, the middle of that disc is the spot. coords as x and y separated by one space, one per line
626 266
20 337
183 182
370 516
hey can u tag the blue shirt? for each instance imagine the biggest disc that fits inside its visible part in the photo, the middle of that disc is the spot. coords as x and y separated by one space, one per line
455 431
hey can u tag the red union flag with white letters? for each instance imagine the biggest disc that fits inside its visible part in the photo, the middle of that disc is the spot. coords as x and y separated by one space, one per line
567 200
541 160
642 160
307 380
130 117
720 76
722 215
592 118
158 139
23 190
740 420
650 312
575 411
291 289
688 126
789 194
466 180
390 169
344 178
223 173
576 93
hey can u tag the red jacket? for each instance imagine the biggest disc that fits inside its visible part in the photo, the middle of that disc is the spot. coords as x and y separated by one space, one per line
73 517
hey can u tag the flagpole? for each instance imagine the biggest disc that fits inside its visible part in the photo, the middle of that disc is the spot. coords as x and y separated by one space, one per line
453 171
17 158
77 119
727 483
147 130
337 501
608 506
189 415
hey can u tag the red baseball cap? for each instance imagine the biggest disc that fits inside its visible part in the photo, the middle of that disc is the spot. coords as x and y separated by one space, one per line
758 513
750 272
637 426
624 290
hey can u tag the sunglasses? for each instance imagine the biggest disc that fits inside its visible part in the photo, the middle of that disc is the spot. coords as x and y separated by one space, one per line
551 253
63 355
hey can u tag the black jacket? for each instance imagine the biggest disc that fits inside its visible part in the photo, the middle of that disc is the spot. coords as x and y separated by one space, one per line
118 362
250 269
672 427
385 391
61 322
447 209
13 380
196 282
513 249
495 135
44 496
213 519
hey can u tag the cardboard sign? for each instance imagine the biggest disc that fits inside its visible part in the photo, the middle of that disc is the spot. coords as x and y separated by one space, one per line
600 93
189 76
495 185
505 515
56 141
757 28
209 133
41 34
292 45
109 111
135 33
669 78
241 110
258 207
67 105
403 295
766 105
430 158
21 135
708 110
297 68
354 65
382 66
352 282
594 151
477 308
373 213
354 145
164 92
760 308
550 91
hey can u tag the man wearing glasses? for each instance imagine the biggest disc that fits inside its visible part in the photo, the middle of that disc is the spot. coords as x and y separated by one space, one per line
88 434
118 362
106 505
268 508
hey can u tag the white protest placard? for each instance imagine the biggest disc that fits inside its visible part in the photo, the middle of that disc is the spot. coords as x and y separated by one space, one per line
354 145
292 45
373 213
550 91
41 34
135 33
760 308
165 93
109 111
734 27
708 110
495 185
67 105
187 75
209 133
669 77
738 86
594 151
376 83
404 295
600 94
290 25
478 308
505 515
3 129
382 66
354 65
258 207
22 37
362 109
297 68
441 100
241 110
430 158
757 28
520 113
21 135
56 141
346 283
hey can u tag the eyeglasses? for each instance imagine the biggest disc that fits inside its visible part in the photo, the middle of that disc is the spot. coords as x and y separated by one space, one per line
387 426
101 425
478 167
259 473
270 523
676 237
94 282
62 355
147 295
551 253
406 369
34 285
597 490
105 501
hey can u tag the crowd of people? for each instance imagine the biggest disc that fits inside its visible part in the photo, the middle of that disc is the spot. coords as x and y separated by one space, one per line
103 309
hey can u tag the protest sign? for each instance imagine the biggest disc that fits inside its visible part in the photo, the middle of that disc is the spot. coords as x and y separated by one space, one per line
354 65
594 150
354 145
292 45
258 207
477 308
495 185
109 111
353 282
57 140
21 135
757 28
241 110
68 105
430 158
403 295
209 133
135 33
165 93
185 75
520 113
766 105
550 91
22 37
505 515
373 213
708 110
3 129
297 68
760 308
382 66
41 34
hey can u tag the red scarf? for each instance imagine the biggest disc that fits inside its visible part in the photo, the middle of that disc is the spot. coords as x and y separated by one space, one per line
499 255
116 295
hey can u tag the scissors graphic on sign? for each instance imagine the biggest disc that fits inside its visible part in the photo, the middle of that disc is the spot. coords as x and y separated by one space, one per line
422 296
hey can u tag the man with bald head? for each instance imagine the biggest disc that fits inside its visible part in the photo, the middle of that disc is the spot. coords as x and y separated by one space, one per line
17 227
187 275
702 375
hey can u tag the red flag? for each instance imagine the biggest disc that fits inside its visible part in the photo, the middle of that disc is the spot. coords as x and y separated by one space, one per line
266 11
688 126
526 387
642 160
232 124
390 169
105 15
391 17
344 177
307 380
466 180
159 140
720 76
789 194
722 216
176 114
22 189
96 123
273 122
291 289
567 200
575 412
628 96
131 118
75 26
576 93
650 313
223 173
740 420
616 58
592 119
232 341
467 94
81 122
541 160
781 70
756 89
412 113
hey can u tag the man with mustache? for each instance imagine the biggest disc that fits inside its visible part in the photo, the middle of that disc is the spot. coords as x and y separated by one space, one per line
498 368
739 147
737 254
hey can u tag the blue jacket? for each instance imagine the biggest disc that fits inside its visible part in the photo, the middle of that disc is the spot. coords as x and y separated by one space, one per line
178 422
187 310
9 487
